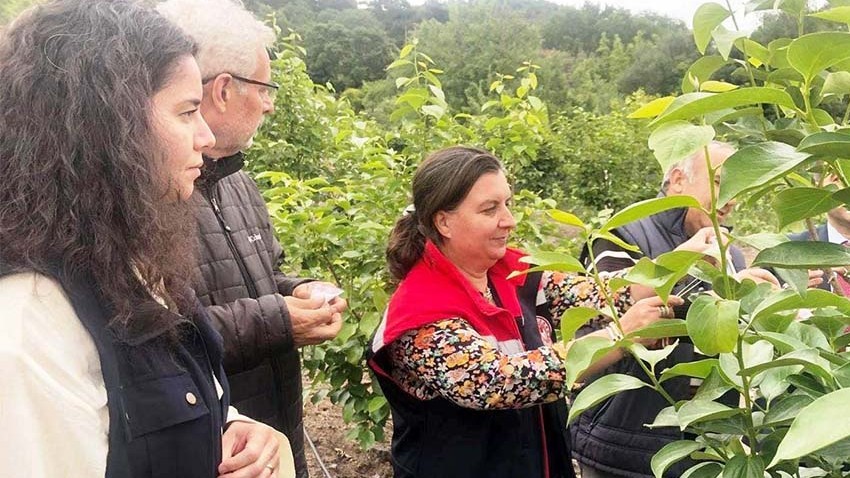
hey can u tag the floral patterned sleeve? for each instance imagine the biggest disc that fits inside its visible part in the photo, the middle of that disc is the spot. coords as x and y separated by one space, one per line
563 291
450 359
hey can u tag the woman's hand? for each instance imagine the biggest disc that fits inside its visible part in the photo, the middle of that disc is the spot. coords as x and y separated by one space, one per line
249 450
759 275
647 311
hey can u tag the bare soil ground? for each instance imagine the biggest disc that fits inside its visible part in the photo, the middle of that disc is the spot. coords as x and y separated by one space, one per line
342 458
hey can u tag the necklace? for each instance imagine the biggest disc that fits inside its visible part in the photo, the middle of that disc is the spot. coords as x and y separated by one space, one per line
488 294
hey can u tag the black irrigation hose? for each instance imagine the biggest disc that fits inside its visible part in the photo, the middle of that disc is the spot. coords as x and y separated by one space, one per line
316 453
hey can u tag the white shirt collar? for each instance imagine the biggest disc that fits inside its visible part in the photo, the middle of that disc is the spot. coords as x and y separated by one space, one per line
833 235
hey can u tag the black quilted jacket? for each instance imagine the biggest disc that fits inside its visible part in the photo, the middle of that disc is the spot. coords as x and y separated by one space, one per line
243 288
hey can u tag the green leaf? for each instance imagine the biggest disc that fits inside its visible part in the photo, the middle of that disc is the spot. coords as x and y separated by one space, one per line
601 389
665 418
837 14
663 272
646 208
583 353
803 255
573 319
724 39
829 144
405 51
706 469
837 83
713 324
376 403
555 261
698 369
744 466
695 411
790 300
786 409
707 17
672 453
653 108
811 54
794 204
677 140
566 218
701 71
398 63
808 358
762 240
717 86
707 103
436 111
652 357
758 54
660 329
714 385
754 166
820 424
608 236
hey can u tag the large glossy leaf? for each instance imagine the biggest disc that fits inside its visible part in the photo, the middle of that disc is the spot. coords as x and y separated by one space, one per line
713 324
713 386
724 39
663 272
744 466
808 358
652 356
566 218
601 389
584 352
822 423
830 144
661 329
790 300
794 204
803 255
695 411
665 418
837 83
698 369
837 14
708 103
701 71
646 208
653 108
762 240
557 260
573 319
672 453
677 140
706 469
786 409
755 166
707 17
811 54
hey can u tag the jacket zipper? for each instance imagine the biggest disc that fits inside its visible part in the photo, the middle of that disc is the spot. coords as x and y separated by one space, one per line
249 283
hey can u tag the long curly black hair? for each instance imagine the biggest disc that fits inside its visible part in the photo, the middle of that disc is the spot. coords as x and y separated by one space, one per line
83 185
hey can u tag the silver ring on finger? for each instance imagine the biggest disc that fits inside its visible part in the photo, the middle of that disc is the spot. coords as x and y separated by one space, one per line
270 467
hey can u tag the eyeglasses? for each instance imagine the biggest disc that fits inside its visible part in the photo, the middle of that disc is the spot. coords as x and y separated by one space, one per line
270 88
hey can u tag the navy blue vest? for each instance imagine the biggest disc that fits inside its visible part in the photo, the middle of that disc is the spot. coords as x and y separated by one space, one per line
165 417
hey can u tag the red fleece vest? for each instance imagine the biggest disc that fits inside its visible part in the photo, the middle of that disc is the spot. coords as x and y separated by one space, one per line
435 289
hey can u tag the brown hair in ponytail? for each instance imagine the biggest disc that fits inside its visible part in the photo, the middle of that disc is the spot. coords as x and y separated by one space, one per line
441 183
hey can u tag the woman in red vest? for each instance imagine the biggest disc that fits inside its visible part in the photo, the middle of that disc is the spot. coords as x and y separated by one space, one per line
466 356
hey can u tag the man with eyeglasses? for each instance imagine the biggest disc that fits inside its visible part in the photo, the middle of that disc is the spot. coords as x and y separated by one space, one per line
262 315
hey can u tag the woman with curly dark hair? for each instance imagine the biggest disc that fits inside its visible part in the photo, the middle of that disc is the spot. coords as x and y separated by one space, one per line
108 366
